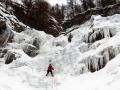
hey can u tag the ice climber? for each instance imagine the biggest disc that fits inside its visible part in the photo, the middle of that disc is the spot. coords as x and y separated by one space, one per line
50 69
70 37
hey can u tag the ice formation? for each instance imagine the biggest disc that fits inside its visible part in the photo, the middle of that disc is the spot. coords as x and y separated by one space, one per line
94 44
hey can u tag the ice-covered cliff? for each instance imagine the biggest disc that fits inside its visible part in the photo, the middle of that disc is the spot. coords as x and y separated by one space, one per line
99 47
24 59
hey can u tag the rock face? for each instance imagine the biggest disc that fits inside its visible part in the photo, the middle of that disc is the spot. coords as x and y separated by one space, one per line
5 33
18 27
53 27
8 24
83 17
43 22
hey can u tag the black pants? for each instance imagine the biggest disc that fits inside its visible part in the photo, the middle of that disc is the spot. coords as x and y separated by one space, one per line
49 71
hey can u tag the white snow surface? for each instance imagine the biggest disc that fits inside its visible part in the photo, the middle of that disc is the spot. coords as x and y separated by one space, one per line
70 60
105 79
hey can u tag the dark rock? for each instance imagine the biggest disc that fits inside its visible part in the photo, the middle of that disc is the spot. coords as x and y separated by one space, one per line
30 50
18 27
52 27
5 37
36 43
9 58
3 52
5 34
2 26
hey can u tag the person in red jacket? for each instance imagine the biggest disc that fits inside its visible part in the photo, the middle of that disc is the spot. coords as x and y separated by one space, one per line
49 70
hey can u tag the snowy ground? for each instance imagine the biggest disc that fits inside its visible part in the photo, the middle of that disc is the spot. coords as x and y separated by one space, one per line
105 79
71 60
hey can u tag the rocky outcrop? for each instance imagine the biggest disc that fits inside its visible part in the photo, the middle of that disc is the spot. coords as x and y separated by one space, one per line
40 21
30 50
3 52
2 25
83 17
36 43
8 24
6 33
9 57
53 27
18 27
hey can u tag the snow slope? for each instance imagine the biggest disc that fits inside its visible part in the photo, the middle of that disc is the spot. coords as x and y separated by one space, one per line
94 44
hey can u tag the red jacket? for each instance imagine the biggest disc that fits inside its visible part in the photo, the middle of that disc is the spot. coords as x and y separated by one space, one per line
50 68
